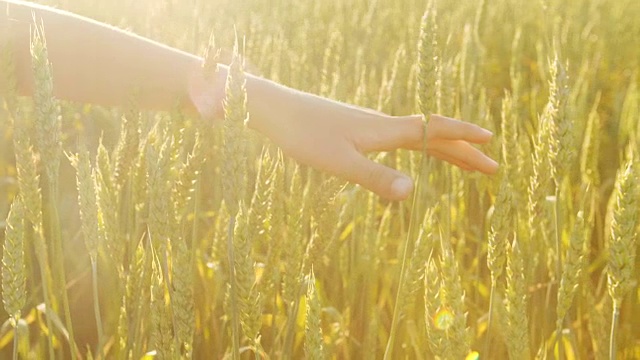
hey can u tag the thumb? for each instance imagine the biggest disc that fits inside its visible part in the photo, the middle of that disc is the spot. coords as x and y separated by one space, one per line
388 183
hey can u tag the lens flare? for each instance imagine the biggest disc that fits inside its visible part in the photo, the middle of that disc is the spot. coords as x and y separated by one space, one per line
443 319
474 355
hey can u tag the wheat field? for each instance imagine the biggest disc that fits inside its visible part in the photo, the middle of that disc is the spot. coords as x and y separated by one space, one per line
131 234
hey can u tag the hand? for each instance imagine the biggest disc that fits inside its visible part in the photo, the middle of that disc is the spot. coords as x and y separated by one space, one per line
334 137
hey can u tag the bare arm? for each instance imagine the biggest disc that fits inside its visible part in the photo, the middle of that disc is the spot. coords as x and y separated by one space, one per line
99 64
96 63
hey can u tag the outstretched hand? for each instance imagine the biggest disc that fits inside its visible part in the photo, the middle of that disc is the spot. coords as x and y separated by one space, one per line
99 64
334 137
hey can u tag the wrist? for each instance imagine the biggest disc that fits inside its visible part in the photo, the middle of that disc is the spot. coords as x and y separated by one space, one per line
206 92
271 106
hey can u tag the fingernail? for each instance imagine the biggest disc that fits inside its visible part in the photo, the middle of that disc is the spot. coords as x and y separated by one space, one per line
487 132
401 187
494 165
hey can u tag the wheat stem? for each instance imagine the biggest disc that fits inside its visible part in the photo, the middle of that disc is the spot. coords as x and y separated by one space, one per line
15 343
414 222
96 305
556 217
487 342
235 324
614 327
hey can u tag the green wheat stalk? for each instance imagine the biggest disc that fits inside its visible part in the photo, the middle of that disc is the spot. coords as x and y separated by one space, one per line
623 243
48 143
427 80
313 340
233 174
88 204
14 277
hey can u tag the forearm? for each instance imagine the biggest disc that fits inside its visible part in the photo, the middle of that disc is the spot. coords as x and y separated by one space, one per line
99 64
96 63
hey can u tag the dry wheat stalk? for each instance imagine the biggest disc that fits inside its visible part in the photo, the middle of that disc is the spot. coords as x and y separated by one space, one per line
14 275
590 151
433 308
250 301
109 210
516 305
452 297
47 108
623 240
574 264
161 331
234 151
623 243
182 299
419 259
234 176
428 62
313 340
501 223
87 199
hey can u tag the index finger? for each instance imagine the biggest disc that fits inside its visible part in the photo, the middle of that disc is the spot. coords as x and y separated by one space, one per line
452 129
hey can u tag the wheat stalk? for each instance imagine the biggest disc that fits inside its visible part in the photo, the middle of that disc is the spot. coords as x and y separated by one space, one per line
573 267
9 82
47 108
14 275
30 193
13 267
235 109
125 152
516 305
599 324
622 245
233 172
161 205
560 163
428 62
187 177
428 79
434 308
293 251
501 224
88 204
161 333
109 210
419 259
249 299
295 257
590 151
137 298
313 340
452 297
324 211
182 298
259 217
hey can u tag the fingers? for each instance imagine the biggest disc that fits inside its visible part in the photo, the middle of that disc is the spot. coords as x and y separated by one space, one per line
452 129
407 132
388 183
448 139
458 152
452 160
385 133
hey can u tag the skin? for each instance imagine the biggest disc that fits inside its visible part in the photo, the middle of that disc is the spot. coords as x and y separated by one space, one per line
99 64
